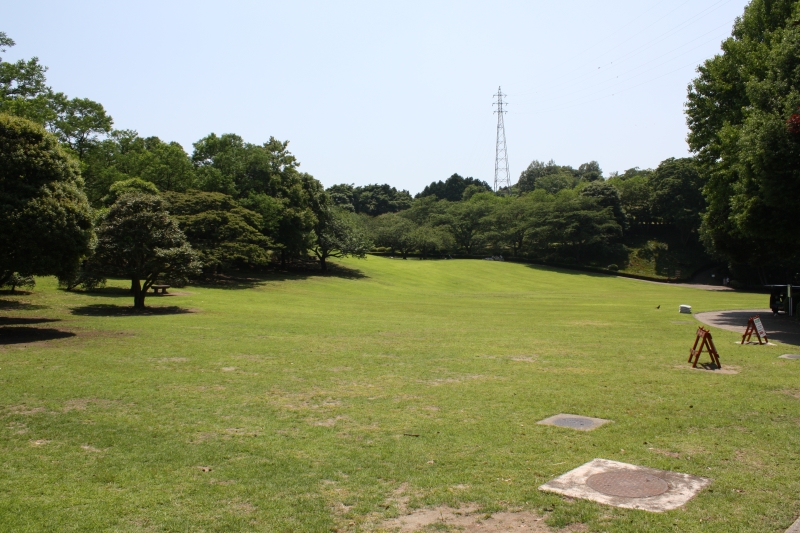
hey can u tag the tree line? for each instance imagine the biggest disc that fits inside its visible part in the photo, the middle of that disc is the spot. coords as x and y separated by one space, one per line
75 193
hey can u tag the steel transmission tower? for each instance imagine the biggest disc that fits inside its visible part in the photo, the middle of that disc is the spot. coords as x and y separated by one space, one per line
502 177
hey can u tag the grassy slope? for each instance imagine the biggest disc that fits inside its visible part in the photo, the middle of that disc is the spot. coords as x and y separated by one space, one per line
296 393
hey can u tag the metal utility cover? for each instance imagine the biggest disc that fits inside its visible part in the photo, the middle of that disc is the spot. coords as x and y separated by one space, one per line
629 486
581 423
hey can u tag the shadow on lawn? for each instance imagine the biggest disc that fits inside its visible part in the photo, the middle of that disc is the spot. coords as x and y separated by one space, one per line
118 310
24 335
7 305
302 272
574 271
14 321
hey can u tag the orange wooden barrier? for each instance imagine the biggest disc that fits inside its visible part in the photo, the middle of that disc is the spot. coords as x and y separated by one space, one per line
754 325
708 344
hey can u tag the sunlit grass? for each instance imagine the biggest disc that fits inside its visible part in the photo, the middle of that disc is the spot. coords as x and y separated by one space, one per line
284 406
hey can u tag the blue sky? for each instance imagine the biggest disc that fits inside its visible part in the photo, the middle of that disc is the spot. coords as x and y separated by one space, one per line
381 92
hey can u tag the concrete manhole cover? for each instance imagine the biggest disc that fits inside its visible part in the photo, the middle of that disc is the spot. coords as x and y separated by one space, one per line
790 356
573 422
628 484
581 423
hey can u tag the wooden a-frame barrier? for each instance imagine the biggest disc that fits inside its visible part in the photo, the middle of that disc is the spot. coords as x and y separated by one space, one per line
754 325
708 344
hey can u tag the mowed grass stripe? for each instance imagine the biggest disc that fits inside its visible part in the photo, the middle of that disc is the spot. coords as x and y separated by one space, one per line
296 392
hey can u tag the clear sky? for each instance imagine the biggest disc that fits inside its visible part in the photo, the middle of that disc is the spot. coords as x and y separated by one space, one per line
388 92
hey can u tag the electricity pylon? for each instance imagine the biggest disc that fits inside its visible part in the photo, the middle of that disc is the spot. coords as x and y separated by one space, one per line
502 177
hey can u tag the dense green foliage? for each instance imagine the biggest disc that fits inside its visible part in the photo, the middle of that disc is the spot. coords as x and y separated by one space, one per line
372 200
137 240
453 188
225 234
45 223
740 111
339 233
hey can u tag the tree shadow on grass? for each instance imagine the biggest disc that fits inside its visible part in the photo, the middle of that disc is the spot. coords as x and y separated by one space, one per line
107 292
248 280
566 269
119 310
25 335
15 321
7 305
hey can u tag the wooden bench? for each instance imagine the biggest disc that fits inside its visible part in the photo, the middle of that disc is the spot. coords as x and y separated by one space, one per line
156 288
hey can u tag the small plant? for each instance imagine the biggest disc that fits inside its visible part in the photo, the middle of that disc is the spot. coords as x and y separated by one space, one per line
18 280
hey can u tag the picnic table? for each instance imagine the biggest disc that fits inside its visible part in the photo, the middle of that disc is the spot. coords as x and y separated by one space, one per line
162 288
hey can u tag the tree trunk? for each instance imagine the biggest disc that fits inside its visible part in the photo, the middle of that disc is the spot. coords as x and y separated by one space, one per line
138 294
323 264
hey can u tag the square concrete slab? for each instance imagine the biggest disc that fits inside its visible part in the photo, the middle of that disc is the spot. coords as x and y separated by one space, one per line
789 356
581 423
628 486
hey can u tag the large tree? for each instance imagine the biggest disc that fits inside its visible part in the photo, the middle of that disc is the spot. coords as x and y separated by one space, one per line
338 233
139 241
224 233
677 196
45 221
740 110
393 231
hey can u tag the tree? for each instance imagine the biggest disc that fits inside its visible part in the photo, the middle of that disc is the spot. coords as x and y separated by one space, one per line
590 171
23 87
677 195
139 241
339 233
265 179
467 222
342 195
635 195
123 187
573 228
124 155
44 215
606 196
453 188
223 233
428 239
530 178
737 111
78 123
395 232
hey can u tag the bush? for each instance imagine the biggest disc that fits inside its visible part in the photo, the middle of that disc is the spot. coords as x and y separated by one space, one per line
18 280
613 267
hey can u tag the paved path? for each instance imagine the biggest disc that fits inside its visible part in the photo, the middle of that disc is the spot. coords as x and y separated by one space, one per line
795 528
780 328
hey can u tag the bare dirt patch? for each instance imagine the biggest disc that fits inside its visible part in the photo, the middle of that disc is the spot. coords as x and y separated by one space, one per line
674 455
81 404
466 520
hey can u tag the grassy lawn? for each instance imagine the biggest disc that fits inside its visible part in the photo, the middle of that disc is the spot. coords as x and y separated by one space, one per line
282 406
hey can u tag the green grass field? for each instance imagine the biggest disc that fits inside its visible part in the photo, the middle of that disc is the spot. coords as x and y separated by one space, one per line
282 405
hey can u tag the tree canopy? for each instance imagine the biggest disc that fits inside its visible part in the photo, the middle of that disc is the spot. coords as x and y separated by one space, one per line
739 112
44 215
139 241
452 188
